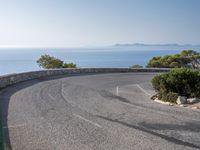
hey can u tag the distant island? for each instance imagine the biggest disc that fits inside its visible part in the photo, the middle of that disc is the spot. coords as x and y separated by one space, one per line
142 44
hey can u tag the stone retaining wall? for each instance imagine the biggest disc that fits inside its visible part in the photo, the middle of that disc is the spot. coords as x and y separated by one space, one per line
15 78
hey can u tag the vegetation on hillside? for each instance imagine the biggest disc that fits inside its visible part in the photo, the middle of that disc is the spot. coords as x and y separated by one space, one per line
49 62
187 58
177 82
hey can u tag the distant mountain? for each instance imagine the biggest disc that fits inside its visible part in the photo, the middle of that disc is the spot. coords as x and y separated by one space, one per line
141 44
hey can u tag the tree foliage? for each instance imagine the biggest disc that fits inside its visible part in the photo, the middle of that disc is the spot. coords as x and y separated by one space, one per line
179 81
187 58
69 65
136 66
49 62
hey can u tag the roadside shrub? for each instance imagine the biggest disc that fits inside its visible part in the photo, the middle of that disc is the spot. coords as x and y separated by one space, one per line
136 66
168 97
187 58
69 65
180 81
48 62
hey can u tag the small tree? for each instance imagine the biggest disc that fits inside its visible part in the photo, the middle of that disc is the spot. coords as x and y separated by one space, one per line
69 65
48 62
136 66
187 58
193 58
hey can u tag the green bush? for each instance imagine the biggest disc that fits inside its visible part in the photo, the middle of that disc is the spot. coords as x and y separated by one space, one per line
69 65
180 81
187 58
48 62
168 97
136 66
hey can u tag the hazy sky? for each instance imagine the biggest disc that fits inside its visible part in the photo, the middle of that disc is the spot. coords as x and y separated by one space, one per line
73 23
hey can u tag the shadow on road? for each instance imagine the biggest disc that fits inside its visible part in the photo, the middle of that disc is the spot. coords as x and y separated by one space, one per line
144 129
188 126
110 95
5 96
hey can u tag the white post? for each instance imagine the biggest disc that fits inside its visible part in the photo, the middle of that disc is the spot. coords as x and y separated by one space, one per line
117 89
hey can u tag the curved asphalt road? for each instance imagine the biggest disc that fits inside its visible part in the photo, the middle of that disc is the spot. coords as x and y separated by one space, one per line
97 112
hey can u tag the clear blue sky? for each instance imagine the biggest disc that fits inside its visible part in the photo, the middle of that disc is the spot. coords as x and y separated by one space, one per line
75 23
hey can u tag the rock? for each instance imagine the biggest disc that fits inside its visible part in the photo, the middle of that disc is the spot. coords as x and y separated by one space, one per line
192 100
181 100
195 107
182 105
153 97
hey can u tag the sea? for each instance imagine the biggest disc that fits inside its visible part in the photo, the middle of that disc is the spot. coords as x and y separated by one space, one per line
17 60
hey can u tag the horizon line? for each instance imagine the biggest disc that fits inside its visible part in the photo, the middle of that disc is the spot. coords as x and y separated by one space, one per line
97 46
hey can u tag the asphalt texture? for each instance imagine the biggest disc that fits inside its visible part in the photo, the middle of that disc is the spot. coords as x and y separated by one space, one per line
95 112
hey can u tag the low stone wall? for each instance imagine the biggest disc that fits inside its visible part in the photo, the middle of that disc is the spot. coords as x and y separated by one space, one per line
15 78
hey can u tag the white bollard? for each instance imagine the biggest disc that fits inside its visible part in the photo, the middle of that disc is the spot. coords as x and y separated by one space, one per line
117 90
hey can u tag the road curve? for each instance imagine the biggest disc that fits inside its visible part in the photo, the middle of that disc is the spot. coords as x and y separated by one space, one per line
94 112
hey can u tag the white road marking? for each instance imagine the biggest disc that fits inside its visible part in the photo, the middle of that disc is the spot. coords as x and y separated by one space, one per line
117 90
143 90
95 124
14 126
51 96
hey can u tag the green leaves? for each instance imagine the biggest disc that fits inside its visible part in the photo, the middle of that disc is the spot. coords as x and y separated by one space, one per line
182 81
136 66
49 62
187 58
69 65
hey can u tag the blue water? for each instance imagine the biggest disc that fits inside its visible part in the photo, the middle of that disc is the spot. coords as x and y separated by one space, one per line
22 60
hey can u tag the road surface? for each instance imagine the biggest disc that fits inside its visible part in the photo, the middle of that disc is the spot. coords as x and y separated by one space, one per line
95 112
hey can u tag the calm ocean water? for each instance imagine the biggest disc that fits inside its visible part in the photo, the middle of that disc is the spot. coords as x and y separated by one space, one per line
22 60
